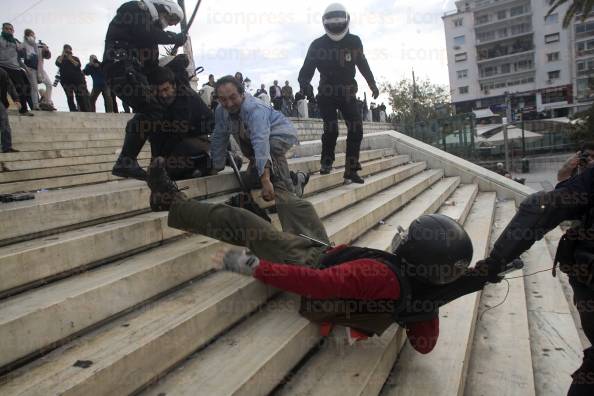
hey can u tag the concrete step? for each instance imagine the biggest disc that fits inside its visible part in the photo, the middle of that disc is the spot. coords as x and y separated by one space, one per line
59 145
7 158
554 340
62 162
362 369
55 210
23 311
104 163
501 338
414 374
187 321
272 350
41 259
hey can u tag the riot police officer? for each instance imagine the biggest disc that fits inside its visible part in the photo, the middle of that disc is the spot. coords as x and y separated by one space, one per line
335 55
131 53
572 199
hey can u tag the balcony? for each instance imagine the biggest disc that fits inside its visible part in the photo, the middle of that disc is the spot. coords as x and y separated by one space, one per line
493 22
521 33
529 71
500 52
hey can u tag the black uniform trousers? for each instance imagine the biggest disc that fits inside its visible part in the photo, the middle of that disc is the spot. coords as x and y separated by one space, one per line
583 378
328 106
78 89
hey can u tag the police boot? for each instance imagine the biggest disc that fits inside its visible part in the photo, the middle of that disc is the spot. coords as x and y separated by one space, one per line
350 171
164 191
325 166
127 165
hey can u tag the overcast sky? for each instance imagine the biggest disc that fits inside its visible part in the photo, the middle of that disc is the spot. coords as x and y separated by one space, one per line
264 39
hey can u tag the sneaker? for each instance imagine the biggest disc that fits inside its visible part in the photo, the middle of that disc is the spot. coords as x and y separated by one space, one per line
300 180
27 114
164 191
353 177
128 168
11 150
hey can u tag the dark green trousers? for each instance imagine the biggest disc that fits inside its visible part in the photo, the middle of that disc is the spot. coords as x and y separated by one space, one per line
243 228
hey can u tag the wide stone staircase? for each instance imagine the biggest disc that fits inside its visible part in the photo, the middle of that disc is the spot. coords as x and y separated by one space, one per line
99 297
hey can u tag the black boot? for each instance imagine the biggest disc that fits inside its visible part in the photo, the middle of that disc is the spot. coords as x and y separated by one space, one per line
128 168
325 166
353 177
164 191
127 164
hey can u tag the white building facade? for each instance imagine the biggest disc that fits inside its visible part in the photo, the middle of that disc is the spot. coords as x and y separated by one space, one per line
496 47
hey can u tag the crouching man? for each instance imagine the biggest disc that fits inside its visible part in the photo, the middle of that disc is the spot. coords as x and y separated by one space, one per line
180 133
264 136
364 289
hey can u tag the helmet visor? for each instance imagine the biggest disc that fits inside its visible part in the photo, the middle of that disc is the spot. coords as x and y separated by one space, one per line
336 27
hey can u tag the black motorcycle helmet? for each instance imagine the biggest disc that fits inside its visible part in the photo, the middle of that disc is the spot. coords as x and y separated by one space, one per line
436 249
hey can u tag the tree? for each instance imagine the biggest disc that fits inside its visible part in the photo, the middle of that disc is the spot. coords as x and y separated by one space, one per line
417 104
576 7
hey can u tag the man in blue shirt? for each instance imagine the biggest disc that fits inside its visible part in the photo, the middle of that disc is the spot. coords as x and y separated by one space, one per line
264 136
94 69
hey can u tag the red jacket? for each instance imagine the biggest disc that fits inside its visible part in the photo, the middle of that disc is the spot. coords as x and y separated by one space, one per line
362 279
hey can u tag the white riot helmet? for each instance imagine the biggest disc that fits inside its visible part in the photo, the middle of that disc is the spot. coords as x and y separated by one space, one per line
336 21
168 7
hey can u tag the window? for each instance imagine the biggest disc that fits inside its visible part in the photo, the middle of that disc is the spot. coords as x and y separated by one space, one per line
458 22
516 10
463 90
554 74
584 47
461 57
502 14
462 73
505 68
553 56
552 38
460 40
502 32
552 19
482 19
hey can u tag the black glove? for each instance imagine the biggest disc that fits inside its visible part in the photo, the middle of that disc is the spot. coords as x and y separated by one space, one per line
490 269
308 91
180 39
374 91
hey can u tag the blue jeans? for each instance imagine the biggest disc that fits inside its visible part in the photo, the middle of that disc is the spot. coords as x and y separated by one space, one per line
5 131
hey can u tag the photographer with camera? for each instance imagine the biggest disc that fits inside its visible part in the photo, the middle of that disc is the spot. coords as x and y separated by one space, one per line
577 163
73 80
94 69
35 53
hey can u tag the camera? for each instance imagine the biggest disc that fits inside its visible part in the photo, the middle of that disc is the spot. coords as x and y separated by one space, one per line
57 80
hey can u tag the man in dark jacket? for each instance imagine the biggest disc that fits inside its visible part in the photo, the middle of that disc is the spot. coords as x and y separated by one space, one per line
180 135
73 80
131 53
572 199
335 55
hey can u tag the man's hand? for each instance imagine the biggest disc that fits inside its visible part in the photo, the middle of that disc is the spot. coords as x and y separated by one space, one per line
17 104
374 91
236 260
267 190
490 269
180 39
568 167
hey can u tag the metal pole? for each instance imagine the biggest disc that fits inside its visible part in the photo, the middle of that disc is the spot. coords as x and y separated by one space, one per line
184 22
523 137
414 112
472 131
505 136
